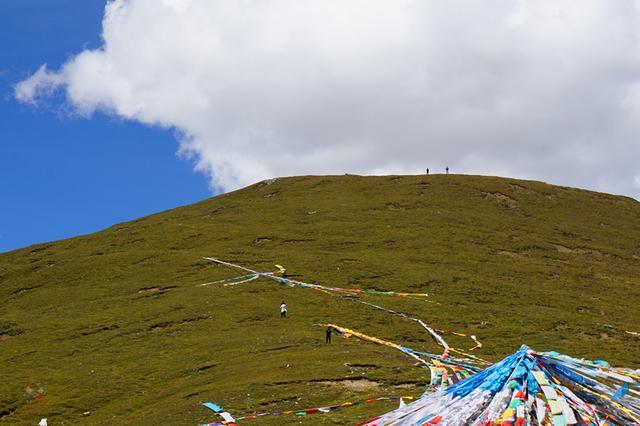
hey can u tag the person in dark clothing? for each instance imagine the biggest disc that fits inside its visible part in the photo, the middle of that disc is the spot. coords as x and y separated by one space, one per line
427 171
327 334
447 169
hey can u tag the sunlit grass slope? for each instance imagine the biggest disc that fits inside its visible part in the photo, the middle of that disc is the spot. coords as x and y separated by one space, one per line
114 329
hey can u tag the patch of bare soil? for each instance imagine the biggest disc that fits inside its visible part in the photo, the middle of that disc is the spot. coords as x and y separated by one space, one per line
578 250
502 199
356 384
509 254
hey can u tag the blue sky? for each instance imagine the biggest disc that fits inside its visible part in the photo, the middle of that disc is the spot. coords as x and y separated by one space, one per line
60 175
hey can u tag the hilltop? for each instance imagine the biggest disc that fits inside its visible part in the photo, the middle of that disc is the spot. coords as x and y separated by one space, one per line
113 327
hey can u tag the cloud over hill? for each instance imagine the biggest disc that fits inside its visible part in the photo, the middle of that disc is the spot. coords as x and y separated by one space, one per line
254 89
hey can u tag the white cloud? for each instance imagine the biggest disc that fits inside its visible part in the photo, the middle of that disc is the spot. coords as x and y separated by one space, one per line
40 84
544 89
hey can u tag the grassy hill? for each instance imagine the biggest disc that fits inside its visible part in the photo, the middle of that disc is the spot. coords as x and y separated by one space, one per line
113 328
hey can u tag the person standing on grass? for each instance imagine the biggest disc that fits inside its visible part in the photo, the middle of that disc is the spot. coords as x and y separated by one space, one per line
327 339
283 310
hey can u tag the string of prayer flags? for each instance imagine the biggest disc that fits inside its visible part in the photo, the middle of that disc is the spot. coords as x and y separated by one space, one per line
279 277
226 417
320 410
228 420
444 371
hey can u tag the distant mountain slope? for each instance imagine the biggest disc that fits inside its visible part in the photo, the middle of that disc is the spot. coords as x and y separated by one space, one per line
111 328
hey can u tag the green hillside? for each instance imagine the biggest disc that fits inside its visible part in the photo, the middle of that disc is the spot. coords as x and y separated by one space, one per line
113 328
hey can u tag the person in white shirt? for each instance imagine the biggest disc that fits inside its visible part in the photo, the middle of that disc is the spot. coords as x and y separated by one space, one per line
283 310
